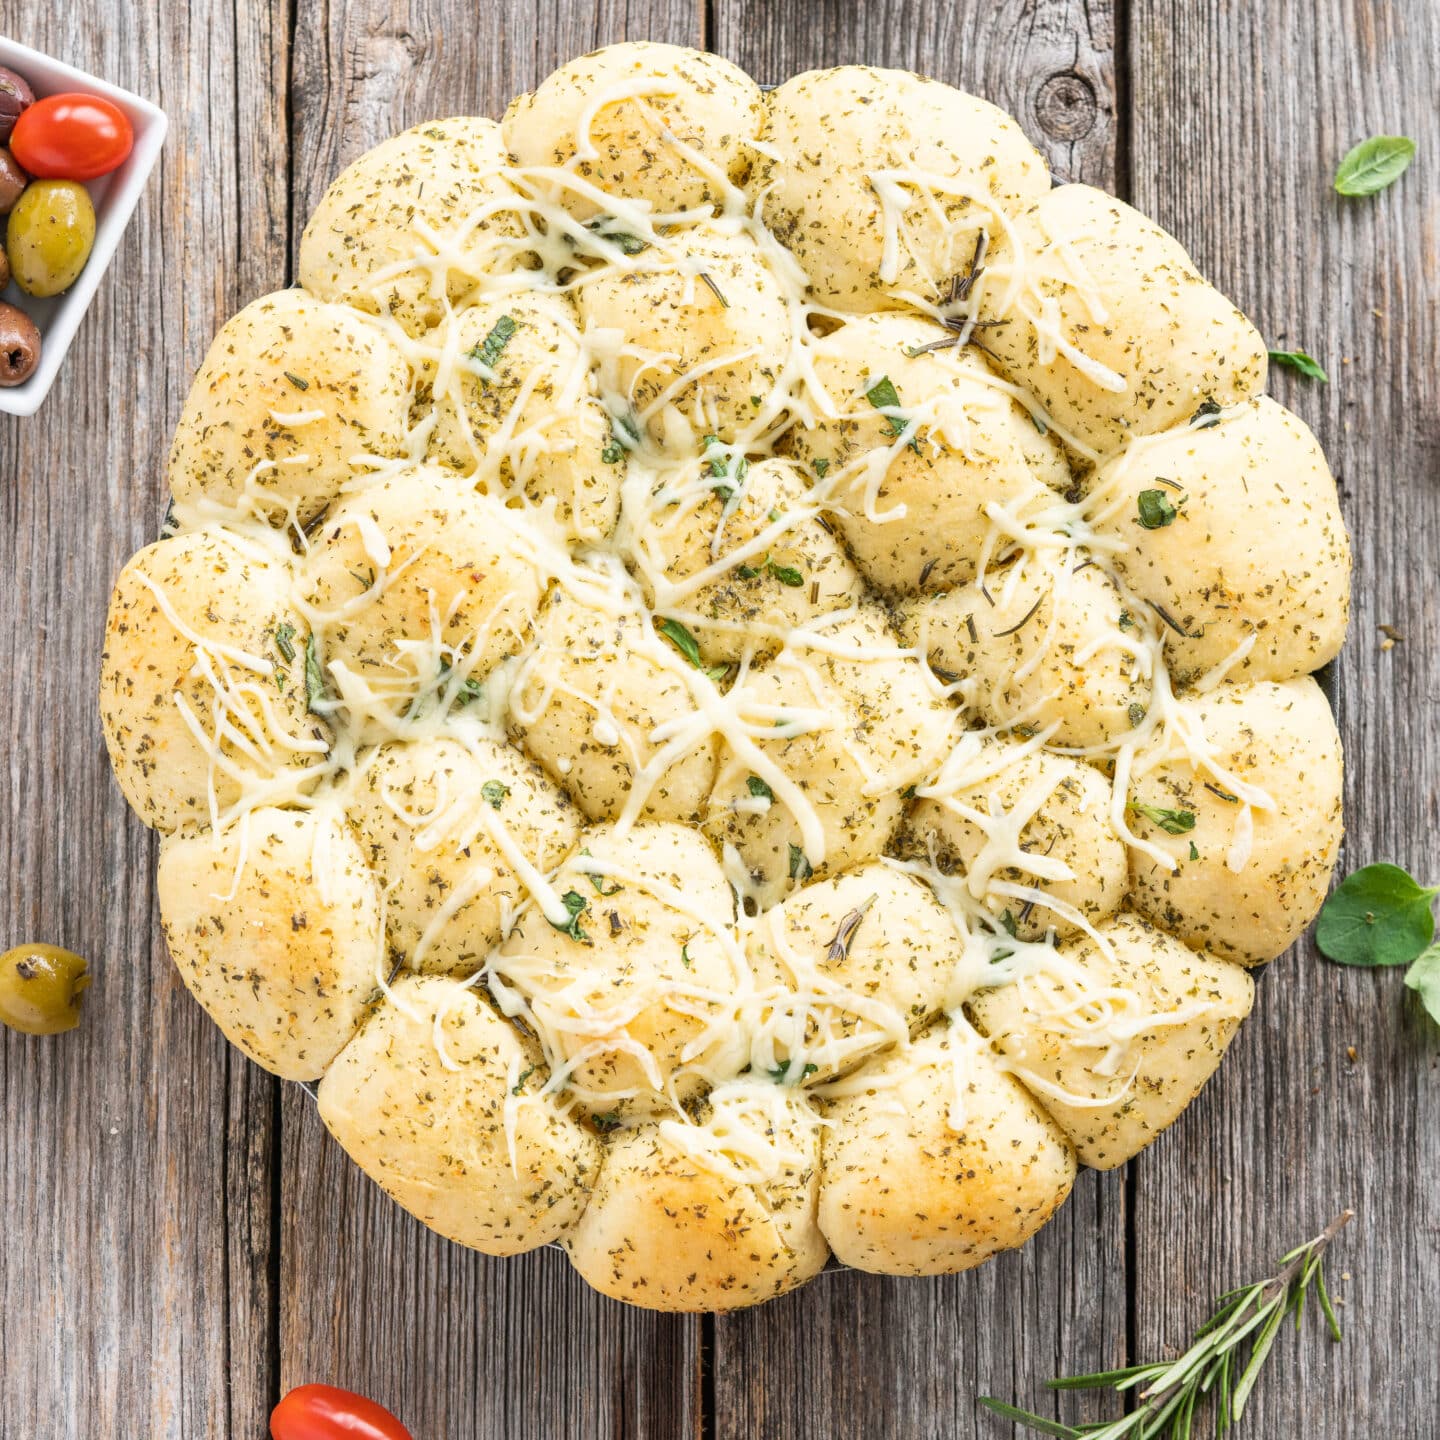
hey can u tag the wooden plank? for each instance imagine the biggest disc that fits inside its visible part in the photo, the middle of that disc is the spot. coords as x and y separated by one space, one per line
1241 115
856 1355
460 1345
134 1155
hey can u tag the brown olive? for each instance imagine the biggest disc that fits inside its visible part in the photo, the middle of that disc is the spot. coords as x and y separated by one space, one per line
13 180
40 989
15 98
19 346
4 268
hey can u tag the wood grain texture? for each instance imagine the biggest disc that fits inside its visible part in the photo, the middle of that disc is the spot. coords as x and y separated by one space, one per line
135 1155
1241 115
462 1346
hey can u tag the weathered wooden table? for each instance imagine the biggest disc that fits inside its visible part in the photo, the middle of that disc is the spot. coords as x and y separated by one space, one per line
179 1241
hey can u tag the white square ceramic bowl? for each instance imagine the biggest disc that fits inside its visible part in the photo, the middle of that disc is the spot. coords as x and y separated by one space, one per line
114 196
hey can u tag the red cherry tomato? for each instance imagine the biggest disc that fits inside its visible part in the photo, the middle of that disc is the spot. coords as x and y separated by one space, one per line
71 137
322 1412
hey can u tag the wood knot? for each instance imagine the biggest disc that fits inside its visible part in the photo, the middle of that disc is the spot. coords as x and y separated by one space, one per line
1066 107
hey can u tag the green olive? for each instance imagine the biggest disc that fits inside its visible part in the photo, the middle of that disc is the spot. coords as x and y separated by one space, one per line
49 236
40 989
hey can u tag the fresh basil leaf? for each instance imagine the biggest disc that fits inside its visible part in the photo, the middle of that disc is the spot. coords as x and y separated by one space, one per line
1154 509
1423 977
1374 164
883 396
1307 365
1377 916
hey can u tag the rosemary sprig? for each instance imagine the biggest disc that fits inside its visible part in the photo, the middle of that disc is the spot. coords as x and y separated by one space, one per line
1224 1359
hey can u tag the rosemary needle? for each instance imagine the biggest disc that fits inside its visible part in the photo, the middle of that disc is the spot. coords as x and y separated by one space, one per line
1224 1359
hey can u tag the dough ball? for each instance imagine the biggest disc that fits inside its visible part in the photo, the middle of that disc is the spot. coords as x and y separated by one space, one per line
1245 548
699 548
441 1103
1116 1038
454 831
293 399
848 966
588 700
934 1160
709 1215
631 972
693 352
914 514
372 240
1260 870
623 118
1106 319
880 181
417 581
274 925
999 811
528 422
1055 645
832 729
202 682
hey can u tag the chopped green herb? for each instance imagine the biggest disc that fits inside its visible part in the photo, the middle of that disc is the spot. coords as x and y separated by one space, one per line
786 575
780 1074
1172 822
494 793
758 788
1207 416
284 641
625 242
685 959
1137 715
820 466
606 1122
839 947
1194 853
1007 924
688 646
1126 621
719 464
1374 164
613 453
1155 509
575 906
296 381
316 693
757 401
746 572
1039 424
489 350
1307 365
518 1088
800 866
883 396
598 881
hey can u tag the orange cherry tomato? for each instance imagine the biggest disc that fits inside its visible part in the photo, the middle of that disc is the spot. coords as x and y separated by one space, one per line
323 1412
71 137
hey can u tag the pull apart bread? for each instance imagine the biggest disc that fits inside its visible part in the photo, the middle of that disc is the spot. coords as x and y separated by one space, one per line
731 676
